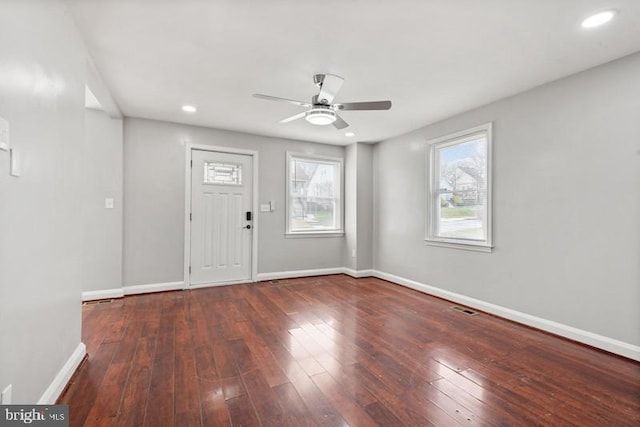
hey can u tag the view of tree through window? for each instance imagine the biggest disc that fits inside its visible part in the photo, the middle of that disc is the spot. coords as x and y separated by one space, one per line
459 188
463 173
314 195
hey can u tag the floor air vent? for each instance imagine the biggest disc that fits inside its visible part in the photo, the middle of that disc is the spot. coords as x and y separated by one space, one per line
98 301
465 310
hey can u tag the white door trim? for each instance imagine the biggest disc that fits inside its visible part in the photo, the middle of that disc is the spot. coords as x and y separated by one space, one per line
189 147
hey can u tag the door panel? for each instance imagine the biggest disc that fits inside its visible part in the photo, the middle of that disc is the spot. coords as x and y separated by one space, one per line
221 194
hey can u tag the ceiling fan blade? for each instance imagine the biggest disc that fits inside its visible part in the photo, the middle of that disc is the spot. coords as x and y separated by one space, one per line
294 117
329 88
372 105
275 98
339 123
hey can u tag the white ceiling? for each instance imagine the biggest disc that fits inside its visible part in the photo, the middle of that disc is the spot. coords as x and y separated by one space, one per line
432 58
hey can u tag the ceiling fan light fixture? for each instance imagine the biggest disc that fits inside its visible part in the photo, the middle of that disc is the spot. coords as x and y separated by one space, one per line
320 116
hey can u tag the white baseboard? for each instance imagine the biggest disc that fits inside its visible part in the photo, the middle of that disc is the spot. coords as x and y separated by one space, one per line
357 273
299 273
131 290
215 285
103 294
605 343
153 287
60 381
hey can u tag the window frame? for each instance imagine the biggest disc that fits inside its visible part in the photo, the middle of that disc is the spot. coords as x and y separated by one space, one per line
433 190
339 202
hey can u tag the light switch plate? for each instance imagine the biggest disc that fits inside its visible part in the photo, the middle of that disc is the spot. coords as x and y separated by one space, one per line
15 163
108 203
265 207
4 135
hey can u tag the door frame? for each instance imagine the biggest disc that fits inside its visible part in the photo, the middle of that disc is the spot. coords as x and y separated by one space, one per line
189 147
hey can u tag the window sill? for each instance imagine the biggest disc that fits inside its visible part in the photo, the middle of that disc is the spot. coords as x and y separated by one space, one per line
312 234
459 245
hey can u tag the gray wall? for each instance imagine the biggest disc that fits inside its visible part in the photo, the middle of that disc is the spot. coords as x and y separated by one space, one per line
154 176
102 239
365 196
350 206
42 66
566 204
359 207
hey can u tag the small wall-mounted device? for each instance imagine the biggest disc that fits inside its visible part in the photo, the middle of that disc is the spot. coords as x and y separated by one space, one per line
270 206
14 169
4 135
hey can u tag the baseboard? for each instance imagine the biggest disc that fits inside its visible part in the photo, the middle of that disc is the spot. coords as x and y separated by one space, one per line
357 273
217 284
60 381
604 343
103 294
131 290
299 273
153 287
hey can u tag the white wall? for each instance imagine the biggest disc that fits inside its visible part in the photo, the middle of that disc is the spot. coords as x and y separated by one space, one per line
154 176
102 237
42 66
566 204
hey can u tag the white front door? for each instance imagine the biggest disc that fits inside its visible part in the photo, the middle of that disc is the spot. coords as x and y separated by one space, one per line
221 217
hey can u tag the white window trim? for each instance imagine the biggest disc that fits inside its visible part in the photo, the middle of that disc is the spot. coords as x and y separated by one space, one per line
433 182
320 233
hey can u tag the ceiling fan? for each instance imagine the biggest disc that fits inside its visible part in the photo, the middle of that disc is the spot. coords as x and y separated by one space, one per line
321 111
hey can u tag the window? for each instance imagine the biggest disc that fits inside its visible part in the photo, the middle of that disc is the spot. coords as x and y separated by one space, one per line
459 190
314 194
222 173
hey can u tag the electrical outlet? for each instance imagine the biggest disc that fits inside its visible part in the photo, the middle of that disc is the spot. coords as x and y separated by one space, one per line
5 397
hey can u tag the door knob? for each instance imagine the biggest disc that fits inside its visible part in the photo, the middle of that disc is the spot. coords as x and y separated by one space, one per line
248 227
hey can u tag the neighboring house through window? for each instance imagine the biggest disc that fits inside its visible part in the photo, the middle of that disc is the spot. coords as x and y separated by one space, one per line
314 194
459 190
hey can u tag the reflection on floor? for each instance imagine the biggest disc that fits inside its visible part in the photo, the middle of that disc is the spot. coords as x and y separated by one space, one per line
333 350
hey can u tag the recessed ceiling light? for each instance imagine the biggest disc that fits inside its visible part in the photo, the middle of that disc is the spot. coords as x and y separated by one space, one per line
350 134
598 19
189 109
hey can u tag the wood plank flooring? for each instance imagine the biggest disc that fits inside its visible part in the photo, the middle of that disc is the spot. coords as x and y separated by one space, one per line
334 351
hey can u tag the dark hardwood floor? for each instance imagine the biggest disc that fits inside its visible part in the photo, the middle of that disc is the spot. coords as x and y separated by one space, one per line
334 350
